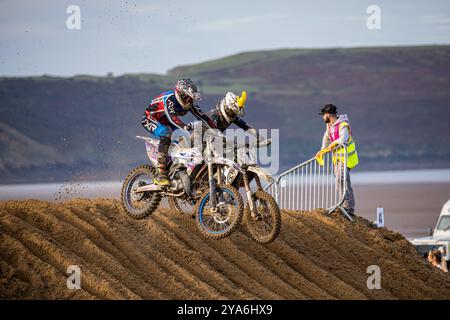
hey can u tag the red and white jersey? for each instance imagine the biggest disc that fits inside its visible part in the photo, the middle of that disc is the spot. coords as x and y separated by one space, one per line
166 110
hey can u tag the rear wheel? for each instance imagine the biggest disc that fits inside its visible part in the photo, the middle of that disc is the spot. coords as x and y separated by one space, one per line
182 205
139 205
265 227
219 222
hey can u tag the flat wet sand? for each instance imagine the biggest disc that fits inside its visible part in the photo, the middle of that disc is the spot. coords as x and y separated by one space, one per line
411 209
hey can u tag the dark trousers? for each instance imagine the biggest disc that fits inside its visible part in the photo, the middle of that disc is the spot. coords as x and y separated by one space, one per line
344 184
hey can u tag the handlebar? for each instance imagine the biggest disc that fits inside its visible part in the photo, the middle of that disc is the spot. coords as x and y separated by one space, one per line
259 144
215 133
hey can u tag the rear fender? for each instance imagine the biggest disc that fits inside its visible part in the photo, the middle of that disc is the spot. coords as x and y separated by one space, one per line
151 146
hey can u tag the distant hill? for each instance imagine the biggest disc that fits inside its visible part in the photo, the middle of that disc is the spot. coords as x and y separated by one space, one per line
19 151
397 98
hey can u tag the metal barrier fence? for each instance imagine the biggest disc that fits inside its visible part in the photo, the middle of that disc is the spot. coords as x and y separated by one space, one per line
311 186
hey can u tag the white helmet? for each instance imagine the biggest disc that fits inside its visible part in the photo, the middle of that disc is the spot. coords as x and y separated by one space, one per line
232 106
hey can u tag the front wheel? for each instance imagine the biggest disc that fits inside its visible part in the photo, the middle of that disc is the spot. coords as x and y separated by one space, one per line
219 222
139 205
265 227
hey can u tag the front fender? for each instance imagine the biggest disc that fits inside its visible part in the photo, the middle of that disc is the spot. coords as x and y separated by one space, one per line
261 173
228 162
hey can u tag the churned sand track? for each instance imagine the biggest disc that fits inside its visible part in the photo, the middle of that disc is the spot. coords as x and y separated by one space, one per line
317 256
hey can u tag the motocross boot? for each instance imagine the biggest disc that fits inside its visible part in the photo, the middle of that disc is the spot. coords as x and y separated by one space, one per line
161 178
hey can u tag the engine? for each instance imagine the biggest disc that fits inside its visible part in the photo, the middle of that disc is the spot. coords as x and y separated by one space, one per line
180 180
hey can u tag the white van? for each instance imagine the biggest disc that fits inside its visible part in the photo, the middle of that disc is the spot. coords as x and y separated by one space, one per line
440 238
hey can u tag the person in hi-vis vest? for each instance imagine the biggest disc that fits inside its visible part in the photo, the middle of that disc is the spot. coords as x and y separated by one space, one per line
339 132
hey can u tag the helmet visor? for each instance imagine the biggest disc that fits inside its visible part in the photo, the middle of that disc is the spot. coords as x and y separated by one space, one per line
188 98
196 96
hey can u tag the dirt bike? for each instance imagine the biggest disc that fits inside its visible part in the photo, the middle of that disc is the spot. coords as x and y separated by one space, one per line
262 214
186 204
140 197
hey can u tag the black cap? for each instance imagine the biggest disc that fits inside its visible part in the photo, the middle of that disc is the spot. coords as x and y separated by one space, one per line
328 108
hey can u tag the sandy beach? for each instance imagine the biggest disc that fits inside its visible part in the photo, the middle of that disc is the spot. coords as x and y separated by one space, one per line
316 256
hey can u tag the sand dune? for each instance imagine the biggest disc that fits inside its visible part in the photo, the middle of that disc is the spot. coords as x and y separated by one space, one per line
164 257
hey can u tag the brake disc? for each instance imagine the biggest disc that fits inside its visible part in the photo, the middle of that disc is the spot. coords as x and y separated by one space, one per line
222 213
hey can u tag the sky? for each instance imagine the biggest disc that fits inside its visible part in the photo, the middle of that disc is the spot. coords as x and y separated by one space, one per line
154 36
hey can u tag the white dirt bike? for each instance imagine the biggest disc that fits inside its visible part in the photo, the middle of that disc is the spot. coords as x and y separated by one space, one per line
188 176
261 214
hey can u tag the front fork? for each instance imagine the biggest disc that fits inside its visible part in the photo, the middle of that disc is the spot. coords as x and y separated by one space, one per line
213 185
248 192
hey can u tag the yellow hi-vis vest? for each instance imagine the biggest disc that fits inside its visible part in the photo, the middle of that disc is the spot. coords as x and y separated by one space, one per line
338 153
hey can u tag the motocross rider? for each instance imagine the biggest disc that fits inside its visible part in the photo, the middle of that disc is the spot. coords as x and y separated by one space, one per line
161 118
231 110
